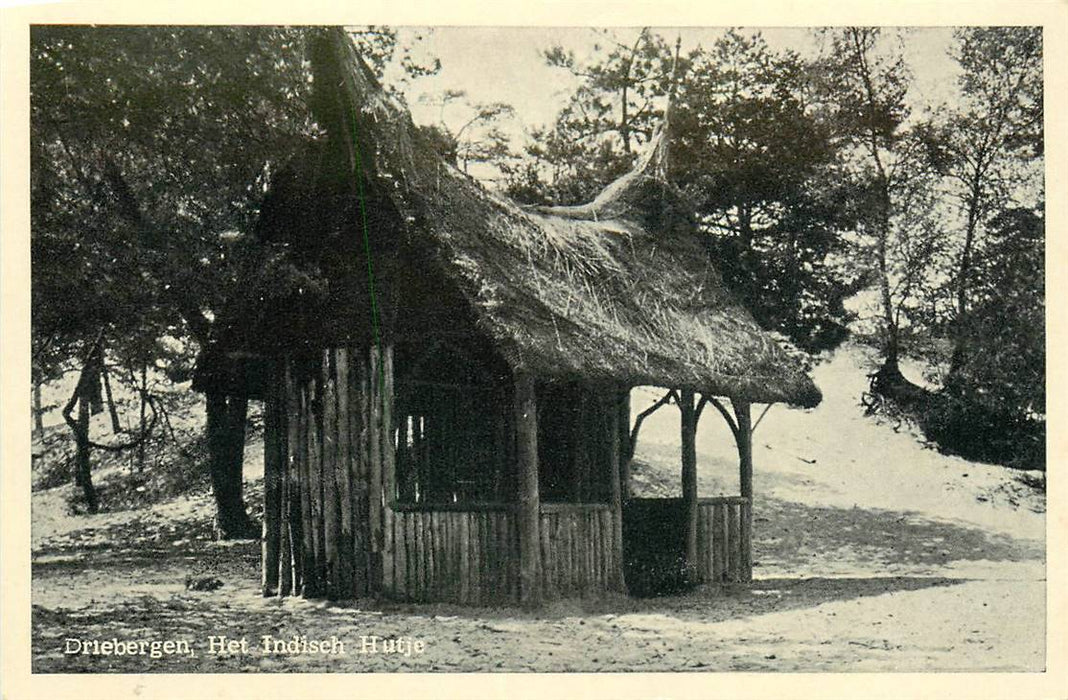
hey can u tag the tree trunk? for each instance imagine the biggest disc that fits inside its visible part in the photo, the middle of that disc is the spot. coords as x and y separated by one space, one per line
744 440
95 395
38 413
226 448
83 477
141 420
688 424
960 326
116 427
626 448
890 335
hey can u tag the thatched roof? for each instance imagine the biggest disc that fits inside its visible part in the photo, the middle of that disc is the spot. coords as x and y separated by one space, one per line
618 290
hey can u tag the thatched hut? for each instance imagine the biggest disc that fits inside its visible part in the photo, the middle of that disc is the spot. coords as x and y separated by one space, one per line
448 418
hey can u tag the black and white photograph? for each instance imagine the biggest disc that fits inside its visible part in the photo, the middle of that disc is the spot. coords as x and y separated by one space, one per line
605 349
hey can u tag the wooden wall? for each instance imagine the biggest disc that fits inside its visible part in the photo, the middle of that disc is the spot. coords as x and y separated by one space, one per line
467 555
459 555
724 542
327 467
578 551
334 529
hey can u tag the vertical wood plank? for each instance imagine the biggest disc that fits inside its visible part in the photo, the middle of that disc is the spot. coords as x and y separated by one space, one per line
293 485
375 448
308 562
731 558
432 555
328 467
388 451
476 558
710 548
718 541
702 572
527 515
736 543
416 573
618 476
746 526
358 448
465 559
401 555
343 471
745 478
272 490
688 437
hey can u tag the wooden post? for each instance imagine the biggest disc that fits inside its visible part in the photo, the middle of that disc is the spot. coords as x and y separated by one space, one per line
388 456
526 431
745 448
273 424
293 535
688 425
616 473
745 481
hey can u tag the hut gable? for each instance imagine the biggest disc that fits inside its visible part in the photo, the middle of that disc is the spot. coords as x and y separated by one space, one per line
618 290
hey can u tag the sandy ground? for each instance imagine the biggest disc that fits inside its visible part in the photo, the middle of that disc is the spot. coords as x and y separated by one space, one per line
872 553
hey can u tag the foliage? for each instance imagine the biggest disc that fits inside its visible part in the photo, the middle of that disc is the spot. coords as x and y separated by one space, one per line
749 152
154 147
991 143
758 163
862 88
152 150
614 110
994 406
473 138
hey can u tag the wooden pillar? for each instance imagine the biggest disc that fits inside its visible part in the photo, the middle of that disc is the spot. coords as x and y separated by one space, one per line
329 474
273 455
291 556
526 432
616 476
688 424
745 448
387 455
745 481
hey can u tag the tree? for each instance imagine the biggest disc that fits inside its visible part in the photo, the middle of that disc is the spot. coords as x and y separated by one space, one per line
755 159
993 136
153 150
162 129
993 406
615 108
865 84
474 137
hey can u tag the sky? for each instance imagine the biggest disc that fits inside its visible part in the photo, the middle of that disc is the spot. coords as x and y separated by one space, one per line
505 64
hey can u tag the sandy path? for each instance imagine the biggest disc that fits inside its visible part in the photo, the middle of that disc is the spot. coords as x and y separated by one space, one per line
872 554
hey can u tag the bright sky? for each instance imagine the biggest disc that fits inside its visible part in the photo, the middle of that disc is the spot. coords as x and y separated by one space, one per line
504 64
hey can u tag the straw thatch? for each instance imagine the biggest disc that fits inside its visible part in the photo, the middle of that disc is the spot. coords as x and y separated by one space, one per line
618 290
